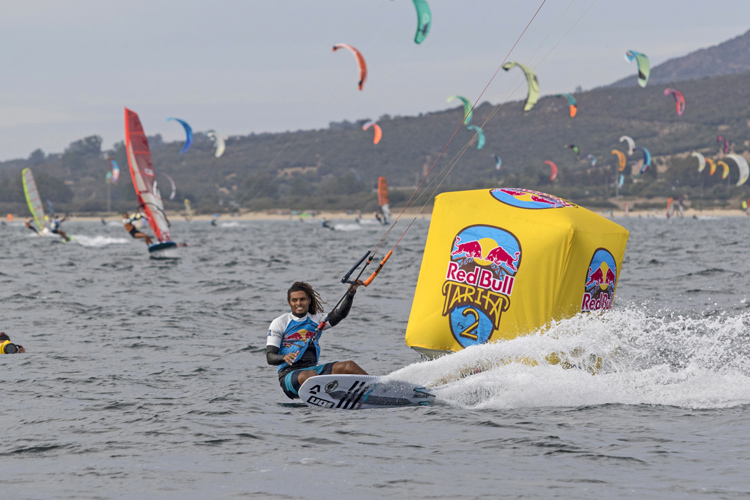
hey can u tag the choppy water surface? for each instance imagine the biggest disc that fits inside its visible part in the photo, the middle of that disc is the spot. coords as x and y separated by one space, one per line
147 379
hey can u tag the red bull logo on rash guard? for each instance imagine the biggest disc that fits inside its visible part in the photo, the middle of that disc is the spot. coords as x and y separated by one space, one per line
297 337
601 280
479 282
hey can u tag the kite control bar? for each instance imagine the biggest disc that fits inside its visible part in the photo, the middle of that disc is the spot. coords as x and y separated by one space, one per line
346 279
348 275
382 263
367 282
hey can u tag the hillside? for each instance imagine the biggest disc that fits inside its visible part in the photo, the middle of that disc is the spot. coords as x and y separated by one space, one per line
338 167
727 58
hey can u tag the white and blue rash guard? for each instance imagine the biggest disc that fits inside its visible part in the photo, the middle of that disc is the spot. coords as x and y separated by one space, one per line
296 334
289 333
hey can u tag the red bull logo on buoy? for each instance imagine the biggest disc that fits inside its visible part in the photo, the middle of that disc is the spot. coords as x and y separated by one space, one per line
479 282
526 198
601 280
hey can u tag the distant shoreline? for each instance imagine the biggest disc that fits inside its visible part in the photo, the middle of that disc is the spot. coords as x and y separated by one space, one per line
319 215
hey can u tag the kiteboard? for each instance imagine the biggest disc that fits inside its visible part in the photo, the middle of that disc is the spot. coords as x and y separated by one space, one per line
359 392
61 240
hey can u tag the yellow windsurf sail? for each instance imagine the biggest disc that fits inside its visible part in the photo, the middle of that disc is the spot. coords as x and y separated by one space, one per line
188 210
32 198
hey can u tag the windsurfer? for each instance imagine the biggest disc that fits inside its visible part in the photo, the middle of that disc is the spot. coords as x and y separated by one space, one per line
127 221
54 227
8 347
292 342
29 225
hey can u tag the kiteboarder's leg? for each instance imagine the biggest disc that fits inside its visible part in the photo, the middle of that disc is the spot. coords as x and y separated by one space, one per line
137 234
292 381
30 226
55 230
349 367
337 367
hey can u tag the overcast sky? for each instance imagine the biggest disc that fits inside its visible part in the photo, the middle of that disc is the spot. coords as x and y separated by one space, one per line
239 66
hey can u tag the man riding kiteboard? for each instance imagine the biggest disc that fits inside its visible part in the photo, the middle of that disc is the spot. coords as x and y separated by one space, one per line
292 342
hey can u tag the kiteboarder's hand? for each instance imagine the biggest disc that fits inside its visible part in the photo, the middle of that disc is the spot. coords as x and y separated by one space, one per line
353 286
289 358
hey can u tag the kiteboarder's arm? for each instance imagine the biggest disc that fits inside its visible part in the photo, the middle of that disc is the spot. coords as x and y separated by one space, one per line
342 311
273 344
274 358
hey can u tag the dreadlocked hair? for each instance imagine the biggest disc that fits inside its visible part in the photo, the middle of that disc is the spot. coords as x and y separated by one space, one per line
316 303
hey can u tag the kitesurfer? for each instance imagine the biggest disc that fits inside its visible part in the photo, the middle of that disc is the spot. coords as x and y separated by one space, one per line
54 227
292 342
29 225
127 221
8 347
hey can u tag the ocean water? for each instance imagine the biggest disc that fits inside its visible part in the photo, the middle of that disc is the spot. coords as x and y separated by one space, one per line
147 379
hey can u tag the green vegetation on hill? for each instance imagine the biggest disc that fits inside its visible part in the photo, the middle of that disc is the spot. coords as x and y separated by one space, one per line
338 167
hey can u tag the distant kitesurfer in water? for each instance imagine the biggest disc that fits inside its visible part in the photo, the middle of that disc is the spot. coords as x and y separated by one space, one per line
127 221
54 227
29 225
292 343
8 347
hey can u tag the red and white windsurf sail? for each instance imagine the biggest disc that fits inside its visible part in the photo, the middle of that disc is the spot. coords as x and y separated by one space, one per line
144 177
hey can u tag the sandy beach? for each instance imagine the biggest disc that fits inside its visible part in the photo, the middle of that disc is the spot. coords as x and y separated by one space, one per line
271 215
279 214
